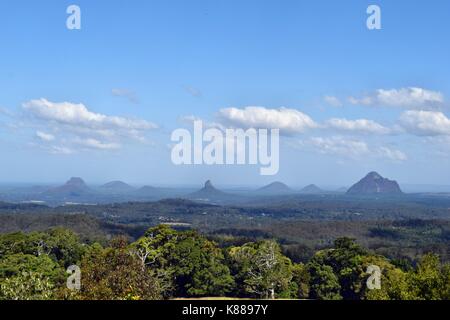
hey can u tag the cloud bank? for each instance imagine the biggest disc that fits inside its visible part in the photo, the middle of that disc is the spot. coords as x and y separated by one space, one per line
74 127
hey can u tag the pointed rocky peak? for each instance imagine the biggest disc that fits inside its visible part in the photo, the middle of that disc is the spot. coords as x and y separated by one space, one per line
374 183
209 185
374 175
207 192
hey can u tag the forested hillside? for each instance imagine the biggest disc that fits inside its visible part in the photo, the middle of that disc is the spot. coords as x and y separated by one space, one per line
166 264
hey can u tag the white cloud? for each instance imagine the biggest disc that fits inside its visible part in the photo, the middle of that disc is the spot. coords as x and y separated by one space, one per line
78 115
354 149
126 93
409 97
45 136
287 120
359 125
78 127
365 101
412 97
333 101
425 123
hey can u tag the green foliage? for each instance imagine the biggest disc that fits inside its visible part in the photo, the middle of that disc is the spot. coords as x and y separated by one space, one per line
301 280
62 245
15 264
261 270
26 286
324 284
114 274
195 264
200 268
165 263
342 263
394 281
430 282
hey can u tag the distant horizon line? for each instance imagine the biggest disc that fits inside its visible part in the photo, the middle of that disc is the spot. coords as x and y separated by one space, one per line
222 185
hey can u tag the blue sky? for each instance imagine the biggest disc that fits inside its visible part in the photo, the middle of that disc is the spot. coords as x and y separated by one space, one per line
379 100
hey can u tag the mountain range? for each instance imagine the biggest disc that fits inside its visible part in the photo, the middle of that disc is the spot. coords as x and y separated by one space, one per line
75 190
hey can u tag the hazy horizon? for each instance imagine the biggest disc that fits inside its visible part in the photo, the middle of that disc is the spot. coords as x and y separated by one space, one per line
408 188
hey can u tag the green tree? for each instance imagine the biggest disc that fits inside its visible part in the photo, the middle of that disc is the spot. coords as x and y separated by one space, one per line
394 281
342 263
27 277
115 274
324 284
27 286
15 264
301 278
429 280
261 270
186 263
16 242
199 267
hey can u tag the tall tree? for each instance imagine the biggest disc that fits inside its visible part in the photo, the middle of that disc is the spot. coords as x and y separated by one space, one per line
115 274
261 270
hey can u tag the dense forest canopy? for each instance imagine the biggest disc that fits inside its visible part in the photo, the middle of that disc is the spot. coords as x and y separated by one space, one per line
308 248
165 263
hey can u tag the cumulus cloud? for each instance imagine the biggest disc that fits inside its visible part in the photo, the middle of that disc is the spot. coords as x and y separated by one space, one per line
359 125
353 148
425 123
333 101
287 120
79 115
126 93
79 128
412 97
